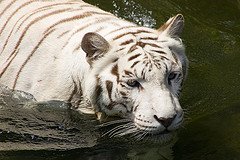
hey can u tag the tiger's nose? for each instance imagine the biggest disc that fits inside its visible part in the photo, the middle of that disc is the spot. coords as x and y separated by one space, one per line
166 122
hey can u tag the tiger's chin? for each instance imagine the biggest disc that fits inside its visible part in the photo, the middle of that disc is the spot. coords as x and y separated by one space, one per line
164 137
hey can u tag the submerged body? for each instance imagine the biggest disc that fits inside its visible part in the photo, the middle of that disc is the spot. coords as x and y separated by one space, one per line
70 50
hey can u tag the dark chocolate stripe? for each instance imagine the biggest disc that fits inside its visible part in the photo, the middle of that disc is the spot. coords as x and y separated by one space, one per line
123 93
134 64
29 57
126 42
135 108
160 52
123 85
125 97
120 49
98 93
143 73
153 45
133 57
133 48
115 71
109 86
149 38
128 73
164 58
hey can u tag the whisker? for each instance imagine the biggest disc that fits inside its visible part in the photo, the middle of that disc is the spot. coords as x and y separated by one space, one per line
139 136
124 131
113 122
144 135
187 119
115 129
127 131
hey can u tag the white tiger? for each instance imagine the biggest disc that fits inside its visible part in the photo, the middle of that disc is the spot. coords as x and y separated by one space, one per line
68 50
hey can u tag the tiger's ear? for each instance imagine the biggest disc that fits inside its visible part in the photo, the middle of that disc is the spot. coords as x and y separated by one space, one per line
94 45
173 27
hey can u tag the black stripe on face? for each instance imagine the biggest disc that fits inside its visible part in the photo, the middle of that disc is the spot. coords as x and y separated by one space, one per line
123 93
133 57
120 49
128 73
133 48
126 42
115 72
143 74
149 38
98 93
160 52
135 108
123 85
164 58
109 86
135 63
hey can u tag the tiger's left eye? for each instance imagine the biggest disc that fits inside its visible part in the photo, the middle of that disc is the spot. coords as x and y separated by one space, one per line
133 83
171 77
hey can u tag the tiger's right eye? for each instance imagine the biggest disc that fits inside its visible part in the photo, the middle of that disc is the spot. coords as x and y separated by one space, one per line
133 83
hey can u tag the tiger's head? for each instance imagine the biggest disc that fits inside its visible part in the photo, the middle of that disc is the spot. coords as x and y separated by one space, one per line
138 77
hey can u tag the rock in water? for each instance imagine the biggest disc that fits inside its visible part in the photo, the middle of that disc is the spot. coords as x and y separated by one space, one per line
26 124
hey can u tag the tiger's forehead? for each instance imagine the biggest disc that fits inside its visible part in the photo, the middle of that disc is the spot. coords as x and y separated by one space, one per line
149 45
144 53
146 61
151 52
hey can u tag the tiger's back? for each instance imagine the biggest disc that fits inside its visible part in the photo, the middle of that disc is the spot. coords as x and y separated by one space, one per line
33 35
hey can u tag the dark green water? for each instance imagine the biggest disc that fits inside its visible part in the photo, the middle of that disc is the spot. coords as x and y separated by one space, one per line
211 95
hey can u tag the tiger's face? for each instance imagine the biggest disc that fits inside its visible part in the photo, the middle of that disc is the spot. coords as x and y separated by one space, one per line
143 84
